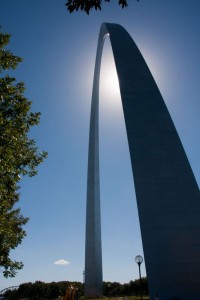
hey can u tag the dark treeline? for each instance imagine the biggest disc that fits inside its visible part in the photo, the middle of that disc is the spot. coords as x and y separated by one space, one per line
133 288
40 290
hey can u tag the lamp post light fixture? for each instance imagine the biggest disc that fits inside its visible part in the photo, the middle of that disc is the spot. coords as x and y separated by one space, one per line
139 260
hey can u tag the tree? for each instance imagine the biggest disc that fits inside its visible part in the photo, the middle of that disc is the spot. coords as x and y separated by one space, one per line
41 290
19 155
87 5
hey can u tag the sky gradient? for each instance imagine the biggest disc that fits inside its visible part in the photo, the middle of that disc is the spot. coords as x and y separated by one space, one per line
59 53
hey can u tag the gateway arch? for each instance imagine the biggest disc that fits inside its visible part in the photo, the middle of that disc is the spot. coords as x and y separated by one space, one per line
167 194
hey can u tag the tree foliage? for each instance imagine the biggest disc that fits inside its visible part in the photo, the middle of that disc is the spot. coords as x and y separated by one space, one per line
87 5
42 290
18 155
133 288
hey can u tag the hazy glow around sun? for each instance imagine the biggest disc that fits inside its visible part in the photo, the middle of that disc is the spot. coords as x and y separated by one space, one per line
109 83
109 79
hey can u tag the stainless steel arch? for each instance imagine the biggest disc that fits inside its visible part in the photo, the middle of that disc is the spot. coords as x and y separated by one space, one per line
167 194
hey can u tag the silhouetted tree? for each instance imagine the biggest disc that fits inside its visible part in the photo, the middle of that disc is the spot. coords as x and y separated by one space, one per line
87 5
19 155
41 290
114 289
54 290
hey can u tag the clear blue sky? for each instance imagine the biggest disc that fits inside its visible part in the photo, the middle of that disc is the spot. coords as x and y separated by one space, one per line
59 52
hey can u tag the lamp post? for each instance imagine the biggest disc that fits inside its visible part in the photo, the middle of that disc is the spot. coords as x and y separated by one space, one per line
139 260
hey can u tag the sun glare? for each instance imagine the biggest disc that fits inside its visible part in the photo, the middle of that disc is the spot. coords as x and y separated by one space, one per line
109 80
109 83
